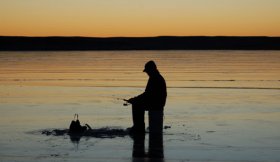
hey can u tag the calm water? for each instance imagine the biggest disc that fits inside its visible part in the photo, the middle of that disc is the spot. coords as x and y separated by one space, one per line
241 69
219 102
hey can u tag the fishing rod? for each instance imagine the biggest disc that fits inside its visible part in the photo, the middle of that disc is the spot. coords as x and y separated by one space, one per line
125 100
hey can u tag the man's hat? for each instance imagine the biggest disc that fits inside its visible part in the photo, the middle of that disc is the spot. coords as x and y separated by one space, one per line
150 66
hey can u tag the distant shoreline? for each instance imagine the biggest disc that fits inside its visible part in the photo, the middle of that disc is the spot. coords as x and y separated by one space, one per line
20 43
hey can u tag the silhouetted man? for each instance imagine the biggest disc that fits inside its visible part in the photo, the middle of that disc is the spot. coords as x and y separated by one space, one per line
152 100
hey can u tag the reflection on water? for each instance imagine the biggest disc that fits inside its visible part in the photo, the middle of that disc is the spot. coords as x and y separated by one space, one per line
251 69
235 116
155 150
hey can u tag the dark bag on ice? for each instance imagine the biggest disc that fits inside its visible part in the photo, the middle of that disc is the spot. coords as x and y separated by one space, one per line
75 126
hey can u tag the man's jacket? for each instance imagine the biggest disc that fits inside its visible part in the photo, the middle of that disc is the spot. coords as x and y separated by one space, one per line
155 94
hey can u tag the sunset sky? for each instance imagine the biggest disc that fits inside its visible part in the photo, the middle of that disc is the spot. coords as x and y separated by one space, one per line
107 18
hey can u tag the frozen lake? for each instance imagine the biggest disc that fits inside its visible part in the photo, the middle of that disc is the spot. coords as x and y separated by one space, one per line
221 106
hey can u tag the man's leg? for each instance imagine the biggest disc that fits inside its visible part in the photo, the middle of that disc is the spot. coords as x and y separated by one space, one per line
138 116
155 121
155 134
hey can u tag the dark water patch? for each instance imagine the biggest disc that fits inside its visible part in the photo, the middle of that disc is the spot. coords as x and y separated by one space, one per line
167 127
105 132
210 131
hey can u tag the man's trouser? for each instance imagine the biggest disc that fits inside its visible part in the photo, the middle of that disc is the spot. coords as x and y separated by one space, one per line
156 149
155 119
155 135
138 117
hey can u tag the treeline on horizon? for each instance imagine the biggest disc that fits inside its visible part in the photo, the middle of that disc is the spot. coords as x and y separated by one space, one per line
18 43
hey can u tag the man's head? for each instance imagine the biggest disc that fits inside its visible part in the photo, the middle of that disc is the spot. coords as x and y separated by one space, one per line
150 67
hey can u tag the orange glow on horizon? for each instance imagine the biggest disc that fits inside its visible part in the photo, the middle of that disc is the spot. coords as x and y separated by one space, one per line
101 18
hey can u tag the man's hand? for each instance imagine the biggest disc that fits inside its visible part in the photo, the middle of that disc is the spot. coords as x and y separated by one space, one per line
131 100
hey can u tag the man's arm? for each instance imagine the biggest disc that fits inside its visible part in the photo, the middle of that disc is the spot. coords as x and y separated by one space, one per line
138 99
